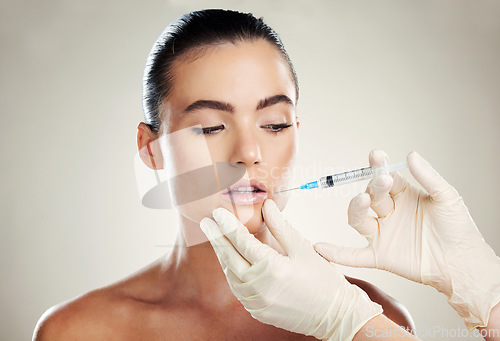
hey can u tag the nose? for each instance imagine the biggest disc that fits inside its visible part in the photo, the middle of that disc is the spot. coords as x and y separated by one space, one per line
246 149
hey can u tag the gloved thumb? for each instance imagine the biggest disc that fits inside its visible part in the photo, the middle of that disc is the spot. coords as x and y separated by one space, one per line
348 256
431 181
289 238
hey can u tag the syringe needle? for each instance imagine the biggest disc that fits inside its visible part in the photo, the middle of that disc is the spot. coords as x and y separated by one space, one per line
286 190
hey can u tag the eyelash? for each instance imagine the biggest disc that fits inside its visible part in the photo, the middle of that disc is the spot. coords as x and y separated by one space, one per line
273 128
276 128
209 130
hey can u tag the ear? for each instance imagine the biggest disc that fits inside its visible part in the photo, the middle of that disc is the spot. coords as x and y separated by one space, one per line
297 120
148 146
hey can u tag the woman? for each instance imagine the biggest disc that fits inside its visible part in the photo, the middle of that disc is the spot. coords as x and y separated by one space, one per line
219 87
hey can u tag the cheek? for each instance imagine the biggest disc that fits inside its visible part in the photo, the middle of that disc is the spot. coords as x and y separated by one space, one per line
183 151
188 165
279 156
280 159
285 153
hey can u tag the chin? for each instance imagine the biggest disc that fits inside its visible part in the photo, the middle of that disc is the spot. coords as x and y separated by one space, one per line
255 224
250 216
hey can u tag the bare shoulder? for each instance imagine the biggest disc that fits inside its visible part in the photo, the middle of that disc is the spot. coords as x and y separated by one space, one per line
76 319
119 311
393 309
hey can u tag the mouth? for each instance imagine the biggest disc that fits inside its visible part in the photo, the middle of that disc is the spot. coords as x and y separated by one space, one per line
245 192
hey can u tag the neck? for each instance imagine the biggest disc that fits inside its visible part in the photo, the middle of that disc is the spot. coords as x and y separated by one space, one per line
196 270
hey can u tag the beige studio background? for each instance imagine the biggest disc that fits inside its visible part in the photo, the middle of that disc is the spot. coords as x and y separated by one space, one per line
397 75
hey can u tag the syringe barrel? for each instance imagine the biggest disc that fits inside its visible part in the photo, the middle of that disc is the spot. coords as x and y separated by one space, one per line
354 175
346 177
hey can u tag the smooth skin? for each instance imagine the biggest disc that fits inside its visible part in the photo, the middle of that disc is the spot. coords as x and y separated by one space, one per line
184 295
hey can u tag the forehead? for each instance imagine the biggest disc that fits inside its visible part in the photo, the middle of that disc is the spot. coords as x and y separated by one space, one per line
241 74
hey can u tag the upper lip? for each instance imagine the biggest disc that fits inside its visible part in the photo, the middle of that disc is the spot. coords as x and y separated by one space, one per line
243 182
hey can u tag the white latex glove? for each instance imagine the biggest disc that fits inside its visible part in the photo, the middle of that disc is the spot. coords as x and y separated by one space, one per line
428 237
301 292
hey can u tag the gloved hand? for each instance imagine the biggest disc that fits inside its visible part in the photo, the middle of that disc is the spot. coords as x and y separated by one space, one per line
428 237
300 292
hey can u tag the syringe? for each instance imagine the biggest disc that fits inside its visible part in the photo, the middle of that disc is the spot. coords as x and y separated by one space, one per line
350 176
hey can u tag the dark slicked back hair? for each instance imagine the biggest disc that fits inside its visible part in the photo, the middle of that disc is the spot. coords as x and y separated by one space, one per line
188 37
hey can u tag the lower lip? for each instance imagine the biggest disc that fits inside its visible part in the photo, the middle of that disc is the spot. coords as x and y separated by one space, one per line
245 198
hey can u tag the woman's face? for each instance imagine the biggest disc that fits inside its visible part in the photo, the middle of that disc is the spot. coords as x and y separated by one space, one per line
235 103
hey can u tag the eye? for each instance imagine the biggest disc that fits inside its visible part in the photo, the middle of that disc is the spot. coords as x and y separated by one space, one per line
209 130
276 128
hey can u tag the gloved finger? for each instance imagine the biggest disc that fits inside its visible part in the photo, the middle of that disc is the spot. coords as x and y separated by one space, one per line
250 283
437 187
399 184
228 256
234 283
232 279
357 215
289 238
262 292
240 290
378 189
255 303
243 241
378 158
348 256
253 280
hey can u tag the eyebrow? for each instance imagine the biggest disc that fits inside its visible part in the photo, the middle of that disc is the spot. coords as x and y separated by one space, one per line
217 105
206 104
269 101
